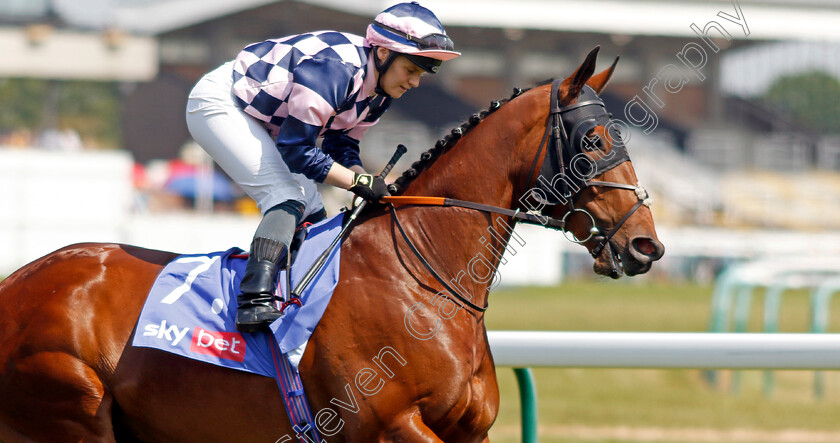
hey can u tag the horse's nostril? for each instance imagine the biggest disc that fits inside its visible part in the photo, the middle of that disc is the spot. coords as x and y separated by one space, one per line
644 246
646 249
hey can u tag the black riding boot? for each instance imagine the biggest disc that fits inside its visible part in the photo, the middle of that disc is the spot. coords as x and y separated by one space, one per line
256 299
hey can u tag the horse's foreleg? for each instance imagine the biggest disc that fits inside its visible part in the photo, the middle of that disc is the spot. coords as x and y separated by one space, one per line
409 427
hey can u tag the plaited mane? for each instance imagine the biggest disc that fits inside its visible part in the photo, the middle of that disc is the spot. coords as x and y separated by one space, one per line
448 142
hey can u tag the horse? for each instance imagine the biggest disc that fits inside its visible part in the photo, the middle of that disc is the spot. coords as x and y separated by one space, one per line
401 353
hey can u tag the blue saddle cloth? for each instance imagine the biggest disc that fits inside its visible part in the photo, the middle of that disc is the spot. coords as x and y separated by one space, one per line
191 309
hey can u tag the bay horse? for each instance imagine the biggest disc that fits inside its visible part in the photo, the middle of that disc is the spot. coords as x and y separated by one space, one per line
394 358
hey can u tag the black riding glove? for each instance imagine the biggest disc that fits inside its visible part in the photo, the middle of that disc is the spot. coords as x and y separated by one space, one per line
369 187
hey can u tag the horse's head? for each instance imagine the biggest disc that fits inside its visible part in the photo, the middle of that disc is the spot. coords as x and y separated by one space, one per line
586 177
579 174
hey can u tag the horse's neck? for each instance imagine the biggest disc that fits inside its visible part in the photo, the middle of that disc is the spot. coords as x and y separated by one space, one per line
485 166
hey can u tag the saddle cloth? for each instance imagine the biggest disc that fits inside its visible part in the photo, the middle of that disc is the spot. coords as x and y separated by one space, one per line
191 309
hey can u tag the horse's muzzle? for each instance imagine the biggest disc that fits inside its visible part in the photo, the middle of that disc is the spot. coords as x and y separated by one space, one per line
636 257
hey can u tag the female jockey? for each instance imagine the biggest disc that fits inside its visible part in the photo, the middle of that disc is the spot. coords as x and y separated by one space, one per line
259 116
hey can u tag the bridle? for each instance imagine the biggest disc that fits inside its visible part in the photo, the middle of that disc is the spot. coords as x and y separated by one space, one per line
565 139
559 182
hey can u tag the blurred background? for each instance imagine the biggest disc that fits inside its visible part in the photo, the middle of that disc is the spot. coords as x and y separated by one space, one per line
738 141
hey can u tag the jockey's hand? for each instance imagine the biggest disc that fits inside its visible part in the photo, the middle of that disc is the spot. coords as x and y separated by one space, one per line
369 187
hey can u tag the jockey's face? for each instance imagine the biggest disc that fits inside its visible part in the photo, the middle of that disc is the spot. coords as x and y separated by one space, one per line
401 76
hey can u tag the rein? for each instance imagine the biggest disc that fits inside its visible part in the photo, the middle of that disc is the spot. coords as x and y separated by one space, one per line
429 267
523 217
517 215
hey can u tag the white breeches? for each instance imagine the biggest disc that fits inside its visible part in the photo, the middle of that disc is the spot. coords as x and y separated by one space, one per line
242 146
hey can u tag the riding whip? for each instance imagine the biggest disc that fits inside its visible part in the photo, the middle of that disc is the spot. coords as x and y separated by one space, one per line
319 263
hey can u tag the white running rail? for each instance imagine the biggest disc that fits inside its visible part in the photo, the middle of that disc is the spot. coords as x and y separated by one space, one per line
665 350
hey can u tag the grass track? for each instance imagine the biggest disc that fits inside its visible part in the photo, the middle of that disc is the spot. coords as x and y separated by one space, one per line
631 405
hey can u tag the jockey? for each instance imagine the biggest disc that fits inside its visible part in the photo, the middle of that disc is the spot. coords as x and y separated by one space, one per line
259 117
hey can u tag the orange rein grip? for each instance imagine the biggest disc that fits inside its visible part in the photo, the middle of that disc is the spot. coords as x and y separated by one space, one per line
412 200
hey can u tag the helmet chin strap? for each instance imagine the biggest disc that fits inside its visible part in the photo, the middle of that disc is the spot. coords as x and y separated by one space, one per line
382 67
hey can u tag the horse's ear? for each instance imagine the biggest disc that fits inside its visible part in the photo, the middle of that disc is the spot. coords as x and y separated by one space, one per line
599 80
571 86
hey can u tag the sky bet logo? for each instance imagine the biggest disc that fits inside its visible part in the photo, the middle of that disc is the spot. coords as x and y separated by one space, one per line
227 345
170 333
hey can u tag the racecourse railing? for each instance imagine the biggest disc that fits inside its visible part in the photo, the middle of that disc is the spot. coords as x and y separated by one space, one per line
653 350
740 283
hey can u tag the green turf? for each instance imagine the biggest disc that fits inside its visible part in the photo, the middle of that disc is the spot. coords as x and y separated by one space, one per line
604 399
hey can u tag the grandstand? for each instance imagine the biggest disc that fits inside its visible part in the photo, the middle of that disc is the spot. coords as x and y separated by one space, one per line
797 201
689 191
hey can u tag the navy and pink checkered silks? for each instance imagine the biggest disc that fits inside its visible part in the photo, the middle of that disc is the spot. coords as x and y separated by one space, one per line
305 86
